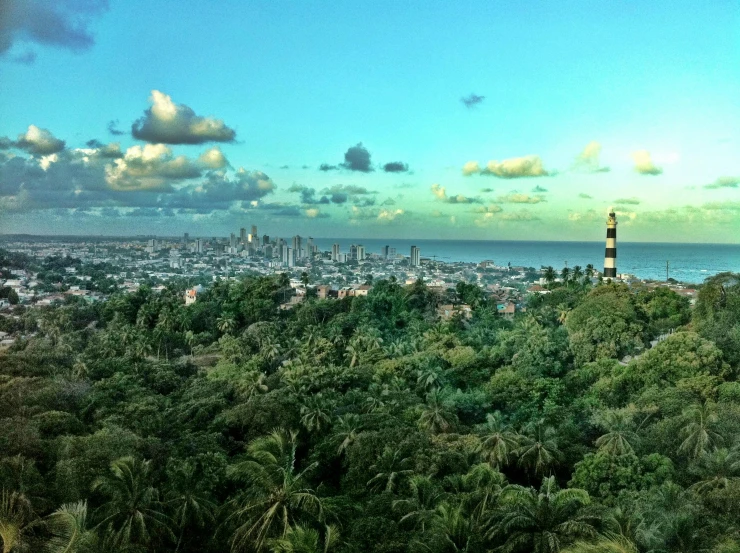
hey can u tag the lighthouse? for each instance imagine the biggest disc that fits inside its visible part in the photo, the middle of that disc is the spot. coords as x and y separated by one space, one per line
610 257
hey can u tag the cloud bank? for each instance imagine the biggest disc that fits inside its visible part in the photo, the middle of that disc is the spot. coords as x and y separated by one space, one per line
513 168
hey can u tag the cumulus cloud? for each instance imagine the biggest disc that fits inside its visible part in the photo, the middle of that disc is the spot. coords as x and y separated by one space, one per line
519 199
539 190
387 215
513 168
486 190
585 196
588 160
627 201
62 23
724 182
349 189
39 142
722 206
149 167
396 167
521 215
356 158
170 123
315 213
440 193
308 195
644 163
472 100
213 159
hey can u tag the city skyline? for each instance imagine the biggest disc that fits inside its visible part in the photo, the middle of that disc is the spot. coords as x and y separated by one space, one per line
502 121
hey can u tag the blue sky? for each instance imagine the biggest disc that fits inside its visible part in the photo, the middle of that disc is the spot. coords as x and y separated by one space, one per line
585 105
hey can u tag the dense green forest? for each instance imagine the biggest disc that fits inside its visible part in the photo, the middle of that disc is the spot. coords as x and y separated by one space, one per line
368 425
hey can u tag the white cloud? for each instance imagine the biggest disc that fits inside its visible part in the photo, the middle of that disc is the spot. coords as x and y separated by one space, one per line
644 163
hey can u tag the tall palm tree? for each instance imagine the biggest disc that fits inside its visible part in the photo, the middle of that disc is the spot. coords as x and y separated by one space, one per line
620 436
419 508
17 519
550 275
698 433
716 470
610 543
563 311
450 530
225 324
541 521
498 442
389 470
577 272
190 508
278 495
565 275
539 450
346 430
302 539
133 512
480 489
590 270
316 413
68 526
435 416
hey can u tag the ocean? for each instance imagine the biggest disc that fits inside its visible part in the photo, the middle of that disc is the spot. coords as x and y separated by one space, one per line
687 262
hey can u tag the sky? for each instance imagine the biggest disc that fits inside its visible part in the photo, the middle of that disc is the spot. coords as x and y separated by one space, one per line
511 120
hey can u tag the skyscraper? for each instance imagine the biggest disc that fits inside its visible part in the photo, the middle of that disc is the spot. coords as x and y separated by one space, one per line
297 244
243 236
353 252
360 252
335 252
610 256
386 251
415 259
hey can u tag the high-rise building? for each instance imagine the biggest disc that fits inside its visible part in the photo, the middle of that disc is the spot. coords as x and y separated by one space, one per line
265 240
232 240
385 252
199 246
610 256
415 259
352 255
185 239
254 232
243 236
297 244
309 247
289 256
360 252
335 252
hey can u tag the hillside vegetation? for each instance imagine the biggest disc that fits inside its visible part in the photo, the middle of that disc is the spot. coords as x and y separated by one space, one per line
368 425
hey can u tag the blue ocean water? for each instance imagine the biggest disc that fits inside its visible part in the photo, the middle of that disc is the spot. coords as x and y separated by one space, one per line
687 262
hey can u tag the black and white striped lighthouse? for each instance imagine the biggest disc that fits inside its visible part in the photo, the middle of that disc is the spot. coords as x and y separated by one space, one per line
610 257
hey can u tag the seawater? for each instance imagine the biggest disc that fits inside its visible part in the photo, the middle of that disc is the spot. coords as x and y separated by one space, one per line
687 262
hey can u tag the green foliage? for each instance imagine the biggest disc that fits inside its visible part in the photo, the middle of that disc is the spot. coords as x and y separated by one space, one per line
368 424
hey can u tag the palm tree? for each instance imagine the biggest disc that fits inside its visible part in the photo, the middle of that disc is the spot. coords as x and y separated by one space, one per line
346 430
69 528
190 508
577 272
278 495
435 416
419 509
716 470
550 274
542 521
590 270
609 543
17 519
304 278
499 442
190 341
563 311
479 488
316 413
302 539
565 275
539 451
620 435
132 512
450 530
225 324
389 470
698 433
429 379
